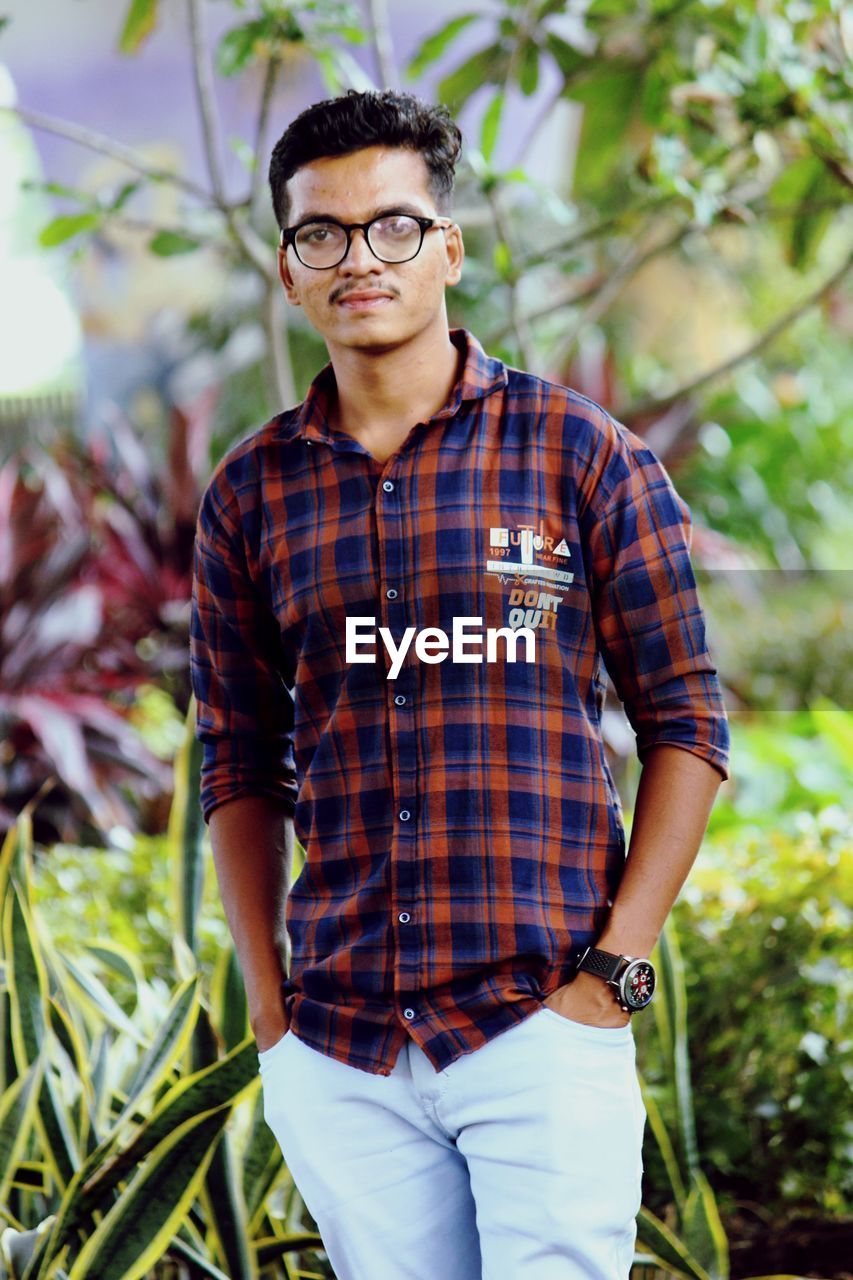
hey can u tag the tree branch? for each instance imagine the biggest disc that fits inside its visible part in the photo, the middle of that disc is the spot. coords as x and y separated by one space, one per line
382 46
106 147
571 296
217 243
517 322
256 251
649 406
270 77
205 99
281 382
606 290
254 248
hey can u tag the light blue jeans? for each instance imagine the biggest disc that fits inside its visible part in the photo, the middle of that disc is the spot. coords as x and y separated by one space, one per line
519 1161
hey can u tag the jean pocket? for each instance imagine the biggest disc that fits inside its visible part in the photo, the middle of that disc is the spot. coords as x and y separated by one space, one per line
263 1054
589 1032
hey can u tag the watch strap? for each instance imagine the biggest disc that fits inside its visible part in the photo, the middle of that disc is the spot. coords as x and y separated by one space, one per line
603 963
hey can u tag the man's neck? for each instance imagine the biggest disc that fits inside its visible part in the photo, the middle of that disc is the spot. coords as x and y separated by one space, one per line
390 391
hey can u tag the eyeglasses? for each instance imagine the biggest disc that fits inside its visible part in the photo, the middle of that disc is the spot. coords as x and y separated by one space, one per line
391 237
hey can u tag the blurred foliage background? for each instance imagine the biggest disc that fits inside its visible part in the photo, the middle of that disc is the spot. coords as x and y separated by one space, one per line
655 202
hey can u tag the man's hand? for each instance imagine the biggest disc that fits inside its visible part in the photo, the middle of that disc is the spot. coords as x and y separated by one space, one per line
588 999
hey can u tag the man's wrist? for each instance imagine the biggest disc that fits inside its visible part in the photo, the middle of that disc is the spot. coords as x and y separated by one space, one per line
630 979
595 991
267 1007
627 934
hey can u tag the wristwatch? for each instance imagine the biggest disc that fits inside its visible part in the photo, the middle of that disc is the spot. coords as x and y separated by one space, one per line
632 978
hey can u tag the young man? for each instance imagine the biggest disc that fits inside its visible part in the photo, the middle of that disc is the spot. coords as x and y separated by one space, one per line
453 1095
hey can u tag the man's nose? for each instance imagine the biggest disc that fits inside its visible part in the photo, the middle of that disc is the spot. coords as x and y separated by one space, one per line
359 255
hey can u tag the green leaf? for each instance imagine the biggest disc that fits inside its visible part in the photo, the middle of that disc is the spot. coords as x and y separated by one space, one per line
170 1042
569 60
656 1237
491 124
835 726
66 226
805 181
142 1221
702 1229
659 1131
434 46
237 47
528 68
17 1116
502 259
328 71
611 95
166 244
124 193
674 997
216 1087
28 987
58 189
245 153
486 66
101 999
140 22
186 833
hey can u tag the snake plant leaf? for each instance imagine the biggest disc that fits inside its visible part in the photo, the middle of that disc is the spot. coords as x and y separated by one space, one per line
28 996
664 1142
120 959
26 976
219 1084
701 1229
167 1047
97 995
17 1116
656 1237
675 997
136 1231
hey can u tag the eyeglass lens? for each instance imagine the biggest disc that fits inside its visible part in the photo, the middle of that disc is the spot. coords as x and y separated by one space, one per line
393 238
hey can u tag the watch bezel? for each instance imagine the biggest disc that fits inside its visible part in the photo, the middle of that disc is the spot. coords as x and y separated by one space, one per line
627 999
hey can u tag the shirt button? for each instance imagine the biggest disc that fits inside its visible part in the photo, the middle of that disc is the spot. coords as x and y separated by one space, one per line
404 815
400 699
391 593
408 1013
387 485
404 917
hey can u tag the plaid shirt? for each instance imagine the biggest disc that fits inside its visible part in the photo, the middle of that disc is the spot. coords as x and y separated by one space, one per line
462 831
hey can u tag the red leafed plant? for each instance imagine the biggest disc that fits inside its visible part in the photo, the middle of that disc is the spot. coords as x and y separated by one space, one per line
96 542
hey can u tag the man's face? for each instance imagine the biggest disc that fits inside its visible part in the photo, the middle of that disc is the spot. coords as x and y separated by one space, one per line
354 188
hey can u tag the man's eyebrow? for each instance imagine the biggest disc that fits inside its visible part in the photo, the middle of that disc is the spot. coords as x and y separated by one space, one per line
316 215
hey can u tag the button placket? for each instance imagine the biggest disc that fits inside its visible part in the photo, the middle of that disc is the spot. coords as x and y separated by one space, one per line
391 526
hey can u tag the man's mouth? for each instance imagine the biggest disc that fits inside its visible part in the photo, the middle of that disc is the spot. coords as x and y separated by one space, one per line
367 301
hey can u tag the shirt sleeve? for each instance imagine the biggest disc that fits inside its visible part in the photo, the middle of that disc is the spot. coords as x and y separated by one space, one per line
244 703
649 622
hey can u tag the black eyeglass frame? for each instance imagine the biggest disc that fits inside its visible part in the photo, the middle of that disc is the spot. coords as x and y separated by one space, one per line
287 235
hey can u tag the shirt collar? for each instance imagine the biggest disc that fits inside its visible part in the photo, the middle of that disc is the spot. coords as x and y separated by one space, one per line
481 375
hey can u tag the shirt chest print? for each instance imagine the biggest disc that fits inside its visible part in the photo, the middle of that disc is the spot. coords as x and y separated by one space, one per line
531 565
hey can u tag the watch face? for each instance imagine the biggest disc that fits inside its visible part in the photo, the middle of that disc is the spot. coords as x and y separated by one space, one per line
639 984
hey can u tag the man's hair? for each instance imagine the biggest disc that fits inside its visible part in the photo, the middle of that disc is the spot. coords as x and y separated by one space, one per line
337 126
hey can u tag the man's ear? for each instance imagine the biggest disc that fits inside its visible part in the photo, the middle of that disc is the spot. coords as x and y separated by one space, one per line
287 279
455 254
